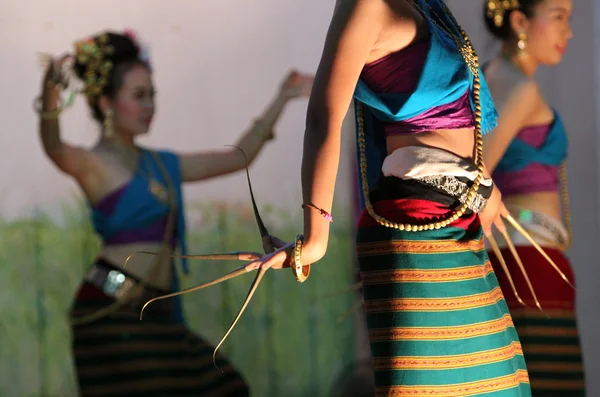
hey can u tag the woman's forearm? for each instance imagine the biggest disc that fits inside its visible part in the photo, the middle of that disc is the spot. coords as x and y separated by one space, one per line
262 130
49 125
273 112
204 165
320 161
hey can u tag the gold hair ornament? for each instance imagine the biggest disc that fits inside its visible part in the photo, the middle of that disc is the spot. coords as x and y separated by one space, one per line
497 8
92 53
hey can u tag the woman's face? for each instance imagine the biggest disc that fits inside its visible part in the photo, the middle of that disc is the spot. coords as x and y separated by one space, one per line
549 31
133 106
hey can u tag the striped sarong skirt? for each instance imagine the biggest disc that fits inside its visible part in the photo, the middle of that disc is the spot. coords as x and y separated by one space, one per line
119 355
438 323
550 339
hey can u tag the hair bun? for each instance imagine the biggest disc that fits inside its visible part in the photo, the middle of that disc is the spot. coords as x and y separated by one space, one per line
113 47
496 14
101 61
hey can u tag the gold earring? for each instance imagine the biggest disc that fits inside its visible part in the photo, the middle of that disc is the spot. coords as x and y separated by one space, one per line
108 123
522 43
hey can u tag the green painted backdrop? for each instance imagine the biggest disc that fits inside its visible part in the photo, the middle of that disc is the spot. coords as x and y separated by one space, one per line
291 342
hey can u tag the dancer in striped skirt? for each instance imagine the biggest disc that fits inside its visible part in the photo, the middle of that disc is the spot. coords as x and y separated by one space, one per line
438 322
136 201
437 319
527 153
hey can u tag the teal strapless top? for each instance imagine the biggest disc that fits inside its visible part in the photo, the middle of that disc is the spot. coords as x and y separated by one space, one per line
553 152
136 211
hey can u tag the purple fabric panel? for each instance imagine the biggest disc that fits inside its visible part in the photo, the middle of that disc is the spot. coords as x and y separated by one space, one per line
534 136
451 116
109 202
399 73
154 233
534 178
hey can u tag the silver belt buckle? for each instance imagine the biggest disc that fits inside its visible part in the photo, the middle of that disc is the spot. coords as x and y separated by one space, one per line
112 282
117 284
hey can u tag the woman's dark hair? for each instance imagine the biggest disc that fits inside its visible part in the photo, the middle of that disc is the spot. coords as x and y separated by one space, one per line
124 55
504 32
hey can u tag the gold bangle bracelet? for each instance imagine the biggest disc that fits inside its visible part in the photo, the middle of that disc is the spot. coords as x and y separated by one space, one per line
53 115
47 115
301 272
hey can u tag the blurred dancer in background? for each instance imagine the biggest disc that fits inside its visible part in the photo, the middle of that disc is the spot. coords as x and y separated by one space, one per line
136 204
527 154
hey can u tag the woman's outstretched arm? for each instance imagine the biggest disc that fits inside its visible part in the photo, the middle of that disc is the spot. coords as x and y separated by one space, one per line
212 163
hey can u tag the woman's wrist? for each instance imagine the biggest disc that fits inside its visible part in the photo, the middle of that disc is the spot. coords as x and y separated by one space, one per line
313 251
495 191
282 97
262 131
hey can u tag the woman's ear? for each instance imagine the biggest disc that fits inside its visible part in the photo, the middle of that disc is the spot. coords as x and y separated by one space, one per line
105 104
519 23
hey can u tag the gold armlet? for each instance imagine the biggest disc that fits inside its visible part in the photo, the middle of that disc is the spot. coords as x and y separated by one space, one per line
261 131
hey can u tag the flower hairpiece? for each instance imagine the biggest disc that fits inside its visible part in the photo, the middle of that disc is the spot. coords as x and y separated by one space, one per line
144 54
497 8
91 53
130 33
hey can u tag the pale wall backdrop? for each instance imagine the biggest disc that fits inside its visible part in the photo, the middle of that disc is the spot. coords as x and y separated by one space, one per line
217 65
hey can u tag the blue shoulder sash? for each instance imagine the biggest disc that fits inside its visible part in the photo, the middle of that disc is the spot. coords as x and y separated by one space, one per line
138 208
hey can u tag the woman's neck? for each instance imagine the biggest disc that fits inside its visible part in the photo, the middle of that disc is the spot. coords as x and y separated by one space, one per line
520 59
120 143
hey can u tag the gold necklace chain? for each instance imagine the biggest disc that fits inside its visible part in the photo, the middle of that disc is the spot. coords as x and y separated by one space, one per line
468 53
463 43
564 189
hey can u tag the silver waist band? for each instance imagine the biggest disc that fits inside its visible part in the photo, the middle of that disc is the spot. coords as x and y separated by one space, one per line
455 188
546 230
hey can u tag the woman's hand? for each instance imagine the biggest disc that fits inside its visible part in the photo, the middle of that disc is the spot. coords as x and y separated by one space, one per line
493 213
54 68
296 85
282 256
